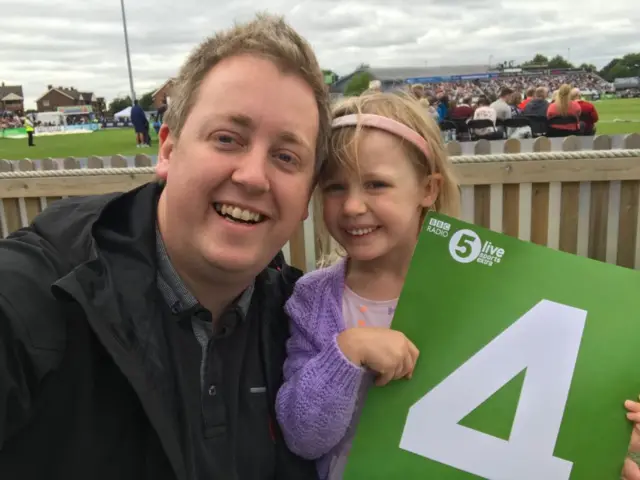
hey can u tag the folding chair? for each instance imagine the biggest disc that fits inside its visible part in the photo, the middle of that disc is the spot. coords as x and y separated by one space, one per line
475 125
585 118
518 122
462 129
560 120
538 125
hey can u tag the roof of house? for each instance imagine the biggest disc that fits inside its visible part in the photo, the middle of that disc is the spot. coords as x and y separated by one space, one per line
8 89
170 80
71 92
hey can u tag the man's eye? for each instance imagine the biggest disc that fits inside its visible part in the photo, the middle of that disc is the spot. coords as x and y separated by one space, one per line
225 139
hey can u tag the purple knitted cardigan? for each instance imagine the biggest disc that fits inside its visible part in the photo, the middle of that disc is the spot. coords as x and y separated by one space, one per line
317 401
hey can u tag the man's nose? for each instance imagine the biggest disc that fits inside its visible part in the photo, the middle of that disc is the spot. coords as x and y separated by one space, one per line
251 170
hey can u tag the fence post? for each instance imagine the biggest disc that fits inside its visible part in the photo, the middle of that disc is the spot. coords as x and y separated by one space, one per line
454 148
95 162
142 160
542 144
48 164
118 161
5 166
71 163
29 207
510 196
8 218
632 141
602 142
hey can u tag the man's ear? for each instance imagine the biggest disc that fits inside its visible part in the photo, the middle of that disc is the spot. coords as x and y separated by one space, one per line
431 189
165 150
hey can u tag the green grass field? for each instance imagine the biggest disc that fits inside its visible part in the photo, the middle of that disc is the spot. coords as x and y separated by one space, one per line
617 117
102 143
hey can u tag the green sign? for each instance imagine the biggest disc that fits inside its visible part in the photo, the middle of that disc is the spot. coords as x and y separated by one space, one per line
13 133
526 357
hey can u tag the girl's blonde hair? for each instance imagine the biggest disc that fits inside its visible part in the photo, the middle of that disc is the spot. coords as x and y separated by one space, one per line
563 100
345 142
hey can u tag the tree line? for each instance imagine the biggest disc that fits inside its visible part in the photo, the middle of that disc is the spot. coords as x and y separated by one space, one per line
619 67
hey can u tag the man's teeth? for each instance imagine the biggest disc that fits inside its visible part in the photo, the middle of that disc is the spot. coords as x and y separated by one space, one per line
237 213
361 231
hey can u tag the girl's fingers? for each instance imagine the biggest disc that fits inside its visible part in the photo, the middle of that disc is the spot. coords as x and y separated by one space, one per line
632 406
634 416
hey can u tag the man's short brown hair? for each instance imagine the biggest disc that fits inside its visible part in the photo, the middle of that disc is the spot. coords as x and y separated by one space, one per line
267 36
505 91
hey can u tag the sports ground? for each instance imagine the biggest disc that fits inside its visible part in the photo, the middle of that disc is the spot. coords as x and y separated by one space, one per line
618 116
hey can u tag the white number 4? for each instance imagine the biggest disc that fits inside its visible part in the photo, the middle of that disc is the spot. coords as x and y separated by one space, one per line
544 341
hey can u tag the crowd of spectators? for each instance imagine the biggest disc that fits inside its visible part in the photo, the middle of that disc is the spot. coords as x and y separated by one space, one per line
565 108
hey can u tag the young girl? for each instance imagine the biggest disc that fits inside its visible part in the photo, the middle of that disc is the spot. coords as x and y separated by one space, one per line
387 168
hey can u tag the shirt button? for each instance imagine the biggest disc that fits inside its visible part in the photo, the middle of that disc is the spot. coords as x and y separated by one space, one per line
212 391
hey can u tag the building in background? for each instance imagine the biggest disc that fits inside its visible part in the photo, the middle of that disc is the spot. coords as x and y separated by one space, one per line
162 96
393 77
56 97
11 99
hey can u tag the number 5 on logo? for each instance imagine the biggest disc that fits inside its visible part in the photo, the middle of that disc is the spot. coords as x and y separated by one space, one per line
544 341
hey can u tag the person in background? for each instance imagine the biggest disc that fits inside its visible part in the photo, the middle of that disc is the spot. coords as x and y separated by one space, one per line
531 91
387 167
514 103
565 107
417 90
538 105
463 111
589 115
443 107
29 128
156 123
501 105
140 124
484 111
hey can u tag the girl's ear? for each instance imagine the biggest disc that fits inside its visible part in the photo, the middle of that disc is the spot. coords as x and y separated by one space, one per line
431 189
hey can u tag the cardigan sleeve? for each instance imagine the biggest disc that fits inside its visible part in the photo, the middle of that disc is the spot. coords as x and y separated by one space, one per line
316 403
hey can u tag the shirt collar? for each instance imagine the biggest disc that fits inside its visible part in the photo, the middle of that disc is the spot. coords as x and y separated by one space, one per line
175 292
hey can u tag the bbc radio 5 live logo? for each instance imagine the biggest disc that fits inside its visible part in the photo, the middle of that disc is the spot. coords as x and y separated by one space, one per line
465 245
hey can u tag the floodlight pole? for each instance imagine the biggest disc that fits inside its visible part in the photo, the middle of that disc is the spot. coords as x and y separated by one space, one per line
126 44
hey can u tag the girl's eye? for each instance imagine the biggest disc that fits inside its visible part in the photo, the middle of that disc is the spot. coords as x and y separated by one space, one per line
376 184
332 187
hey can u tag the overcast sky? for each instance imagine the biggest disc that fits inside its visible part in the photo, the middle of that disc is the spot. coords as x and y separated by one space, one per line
80 44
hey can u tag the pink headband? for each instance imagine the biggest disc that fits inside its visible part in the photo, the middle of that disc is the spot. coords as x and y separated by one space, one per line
386 124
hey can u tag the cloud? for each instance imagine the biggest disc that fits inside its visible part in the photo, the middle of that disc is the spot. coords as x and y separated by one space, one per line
60 42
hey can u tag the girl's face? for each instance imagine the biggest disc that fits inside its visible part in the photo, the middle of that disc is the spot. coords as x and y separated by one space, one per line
376 213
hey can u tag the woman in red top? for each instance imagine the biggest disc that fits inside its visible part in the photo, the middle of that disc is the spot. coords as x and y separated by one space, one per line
565 107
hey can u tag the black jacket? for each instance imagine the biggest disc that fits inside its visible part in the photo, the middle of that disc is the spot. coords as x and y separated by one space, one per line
77 289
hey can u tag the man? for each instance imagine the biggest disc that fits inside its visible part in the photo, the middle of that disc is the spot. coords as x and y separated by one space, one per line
140 124
501 105
28 126
141 334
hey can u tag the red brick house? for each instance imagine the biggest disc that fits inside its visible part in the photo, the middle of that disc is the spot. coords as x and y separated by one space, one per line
65 97
11 98
163 94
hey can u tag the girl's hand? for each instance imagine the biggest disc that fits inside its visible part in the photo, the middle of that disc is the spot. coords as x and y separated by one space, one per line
387 352
631 470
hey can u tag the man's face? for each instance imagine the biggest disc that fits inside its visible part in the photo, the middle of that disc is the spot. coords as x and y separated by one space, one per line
238 180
